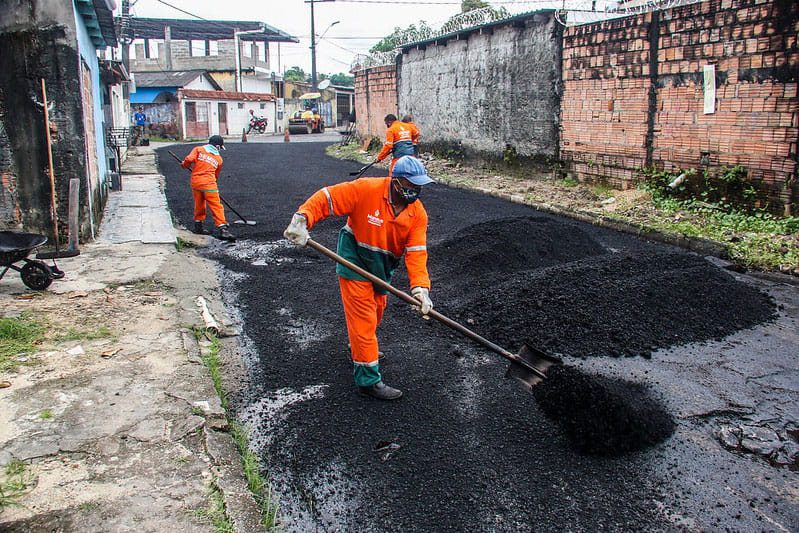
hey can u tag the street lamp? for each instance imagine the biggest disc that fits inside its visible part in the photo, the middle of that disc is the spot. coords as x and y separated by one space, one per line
237 44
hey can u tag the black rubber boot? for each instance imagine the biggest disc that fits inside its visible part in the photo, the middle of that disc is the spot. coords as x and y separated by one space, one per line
224 234
381 391
199 229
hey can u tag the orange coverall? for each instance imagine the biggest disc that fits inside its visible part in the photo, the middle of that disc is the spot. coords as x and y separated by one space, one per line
375 240
206 164
401 137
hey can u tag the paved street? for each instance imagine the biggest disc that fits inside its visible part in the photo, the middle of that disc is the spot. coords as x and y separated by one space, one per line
465 449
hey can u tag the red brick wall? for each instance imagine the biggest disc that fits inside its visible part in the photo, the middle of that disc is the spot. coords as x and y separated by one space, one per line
756 122
605 99
376 96
613 99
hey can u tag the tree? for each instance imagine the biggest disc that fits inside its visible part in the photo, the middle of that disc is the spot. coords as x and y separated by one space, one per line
471 5
295 74
344 80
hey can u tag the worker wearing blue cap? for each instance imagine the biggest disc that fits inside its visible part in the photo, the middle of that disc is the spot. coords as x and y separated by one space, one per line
385 222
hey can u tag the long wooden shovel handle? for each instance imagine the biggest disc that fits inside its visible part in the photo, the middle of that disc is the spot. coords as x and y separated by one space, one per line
433 313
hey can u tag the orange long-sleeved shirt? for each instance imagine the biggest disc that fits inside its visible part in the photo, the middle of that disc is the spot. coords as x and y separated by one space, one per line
205 164
374 238
400 138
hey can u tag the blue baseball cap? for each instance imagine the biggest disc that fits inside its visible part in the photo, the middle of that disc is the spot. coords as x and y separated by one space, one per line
411 169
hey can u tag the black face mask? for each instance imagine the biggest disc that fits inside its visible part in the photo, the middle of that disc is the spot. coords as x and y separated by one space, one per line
408 194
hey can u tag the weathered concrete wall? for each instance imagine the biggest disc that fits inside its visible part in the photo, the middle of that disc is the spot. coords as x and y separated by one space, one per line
490 92
29 55
377 97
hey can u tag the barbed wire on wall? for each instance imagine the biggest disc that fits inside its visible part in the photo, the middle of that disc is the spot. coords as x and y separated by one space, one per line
567 13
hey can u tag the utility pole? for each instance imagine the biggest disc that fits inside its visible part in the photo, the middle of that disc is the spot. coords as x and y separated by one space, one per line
313 43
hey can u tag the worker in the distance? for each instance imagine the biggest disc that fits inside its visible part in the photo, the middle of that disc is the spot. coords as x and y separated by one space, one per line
205 163
408 119
385 221
399 140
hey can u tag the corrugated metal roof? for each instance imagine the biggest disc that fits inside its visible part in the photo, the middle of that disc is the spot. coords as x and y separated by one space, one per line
173 78
147 28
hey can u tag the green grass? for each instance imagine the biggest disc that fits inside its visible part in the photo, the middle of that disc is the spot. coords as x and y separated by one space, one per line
75 334
18 335
255 481
45 414
259 487
215 513
569 182
14 483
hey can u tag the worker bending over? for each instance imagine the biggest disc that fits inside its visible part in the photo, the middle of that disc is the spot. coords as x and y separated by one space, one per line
206 164
385 221
400 140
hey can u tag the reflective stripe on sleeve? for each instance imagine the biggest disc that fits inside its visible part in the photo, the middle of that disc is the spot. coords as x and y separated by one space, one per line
329 201
416 249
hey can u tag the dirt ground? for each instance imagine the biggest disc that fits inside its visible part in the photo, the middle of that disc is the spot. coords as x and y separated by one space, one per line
466 450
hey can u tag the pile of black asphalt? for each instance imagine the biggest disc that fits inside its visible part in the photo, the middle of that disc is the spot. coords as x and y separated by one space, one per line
464 449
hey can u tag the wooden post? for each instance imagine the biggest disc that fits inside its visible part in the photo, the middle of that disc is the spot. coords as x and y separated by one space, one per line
74 210
53 205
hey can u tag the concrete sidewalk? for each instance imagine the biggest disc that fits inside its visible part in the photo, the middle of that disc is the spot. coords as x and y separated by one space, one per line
113 419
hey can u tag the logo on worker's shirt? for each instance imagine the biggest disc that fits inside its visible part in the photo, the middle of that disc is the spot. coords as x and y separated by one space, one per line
202 156
375 219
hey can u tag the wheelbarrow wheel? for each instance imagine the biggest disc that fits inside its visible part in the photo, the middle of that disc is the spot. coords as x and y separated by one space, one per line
36 275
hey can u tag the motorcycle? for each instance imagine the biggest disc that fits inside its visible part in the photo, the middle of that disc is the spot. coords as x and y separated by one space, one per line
258 124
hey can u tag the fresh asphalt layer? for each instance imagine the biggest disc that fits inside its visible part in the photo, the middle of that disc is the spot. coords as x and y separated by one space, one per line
466 449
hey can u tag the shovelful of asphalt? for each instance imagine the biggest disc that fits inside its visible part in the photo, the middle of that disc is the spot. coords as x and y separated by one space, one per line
601 415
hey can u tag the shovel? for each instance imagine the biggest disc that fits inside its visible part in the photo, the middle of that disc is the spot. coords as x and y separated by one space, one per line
241 220
528 367
359 173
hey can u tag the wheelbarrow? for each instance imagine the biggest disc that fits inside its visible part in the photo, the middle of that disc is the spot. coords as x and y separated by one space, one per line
14 248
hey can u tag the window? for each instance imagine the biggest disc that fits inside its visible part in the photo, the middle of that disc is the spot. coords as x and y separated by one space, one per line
136 48
247 49
213 48
202 112
263 106
197 48
260 48
151 48
241 105
191 112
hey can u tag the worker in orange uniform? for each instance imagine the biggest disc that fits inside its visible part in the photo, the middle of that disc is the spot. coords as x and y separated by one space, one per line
205 163
399 140
408 119
385 222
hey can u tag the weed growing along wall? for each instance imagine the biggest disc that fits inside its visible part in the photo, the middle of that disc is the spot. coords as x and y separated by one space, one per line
636 95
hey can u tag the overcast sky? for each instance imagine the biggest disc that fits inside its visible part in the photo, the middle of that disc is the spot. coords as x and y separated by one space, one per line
362 22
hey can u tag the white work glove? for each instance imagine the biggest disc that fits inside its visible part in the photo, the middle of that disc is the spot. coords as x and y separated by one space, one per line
426 304
297 231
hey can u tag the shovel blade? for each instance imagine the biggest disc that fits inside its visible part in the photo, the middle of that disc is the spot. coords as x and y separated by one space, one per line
535 358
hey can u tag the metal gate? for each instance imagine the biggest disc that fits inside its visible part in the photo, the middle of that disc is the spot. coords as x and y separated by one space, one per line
326 110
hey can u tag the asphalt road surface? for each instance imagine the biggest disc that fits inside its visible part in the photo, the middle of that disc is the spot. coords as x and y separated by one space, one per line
466 449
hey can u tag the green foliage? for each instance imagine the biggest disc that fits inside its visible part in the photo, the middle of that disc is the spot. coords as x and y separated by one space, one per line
14 483
255 481
569 181
46 414
342 79
74 334
728 190
295 74
216 514
471 5
17 336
